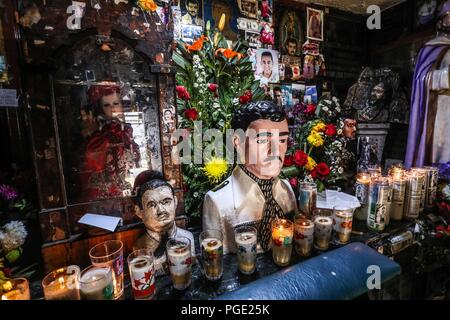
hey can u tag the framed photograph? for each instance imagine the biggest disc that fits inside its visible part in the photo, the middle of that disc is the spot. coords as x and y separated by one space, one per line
286 93
214 9
267 70
53 226
315 24
191 12
276 94
290 33
248 8
190 33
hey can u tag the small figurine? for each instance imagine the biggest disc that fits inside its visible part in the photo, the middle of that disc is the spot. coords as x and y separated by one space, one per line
253 194
155 205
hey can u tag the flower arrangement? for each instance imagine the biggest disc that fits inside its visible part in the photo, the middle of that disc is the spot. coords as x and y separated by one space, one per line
213 80
318 151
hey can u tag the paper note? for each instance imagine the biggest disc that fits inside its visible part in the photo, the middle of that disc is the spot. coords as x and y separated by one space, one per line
101 221
8 98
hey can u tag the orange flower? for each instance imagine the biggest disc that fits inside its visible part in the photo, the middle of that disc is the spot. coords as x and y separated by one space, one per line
148 5
229 54
197 45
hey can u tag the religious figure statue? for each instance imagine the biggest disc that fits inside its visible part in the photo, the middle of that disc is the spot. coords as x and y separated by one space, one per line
155 205
376 108
429 126
253 194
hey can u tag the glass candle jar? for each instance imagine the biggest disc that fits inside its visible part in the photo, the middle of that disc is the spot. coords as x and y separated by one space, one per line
307 198
362 193
62 284
282 236
323 228
303 235
19 290
180 262
96 283
211 243
343 219
246 242
142 274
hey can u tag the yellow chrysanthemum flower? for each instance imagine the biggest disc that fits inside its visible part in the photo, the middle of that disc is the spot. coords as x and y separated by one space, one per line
148 5
319 127
311 164
7 286
315 139
215 169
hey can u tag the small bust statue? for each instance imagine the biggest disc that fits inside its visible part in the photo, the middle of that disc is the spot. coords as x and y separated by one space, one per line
155 205
377 107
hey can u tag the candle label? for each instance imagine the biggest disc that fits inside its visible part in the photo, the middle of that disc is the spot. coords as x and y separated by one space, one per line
180 260
380 198
431 197
412 207
398 191
108 291
118 265
304 234
142 278
343 223
307 200
323 227
433 177
361 192
212 249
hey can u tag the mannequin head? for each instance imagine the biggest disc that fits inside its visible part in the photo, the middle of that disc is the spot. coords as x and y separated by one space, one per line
106 101
262 141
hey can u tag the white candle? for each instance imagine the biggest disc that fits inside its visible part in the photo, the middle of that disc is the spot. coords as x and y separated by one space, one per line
97 284
322 231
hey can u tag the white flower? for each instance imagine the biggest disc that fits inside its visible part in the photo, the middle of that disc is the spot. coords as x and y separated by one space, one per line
339 131
216 105
325 109
341 170
195 194
196 85
235 101
12 235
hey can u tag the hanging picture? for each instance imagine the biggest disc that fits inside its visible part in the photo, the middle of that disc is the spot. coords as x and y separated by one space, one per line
425 11
265 10
192 12
190 33
290 33
315 24
248 8
267 70
214 10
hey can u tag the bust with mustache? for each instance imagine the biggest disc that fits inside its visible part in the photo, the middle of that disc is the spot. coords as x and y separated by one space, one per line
155 205
253 194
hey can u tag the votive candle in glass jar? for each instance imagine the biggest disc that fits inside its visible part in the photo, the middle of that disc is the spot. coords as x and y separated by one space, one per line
62 284
96 283
19 290
362 193
142 274
398 192
246 243
343 220
323 228
282 236
211 243
180 262
307 198
303 235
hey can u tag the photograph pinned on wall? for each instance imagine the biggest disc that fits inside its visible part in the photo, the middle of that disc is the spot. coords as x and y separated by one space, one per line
266 10
310 95
290 33
251 53
315 24
190 33
191 12
267 70
292 70
298 91
177 26
53 226
253 39
286 93
248 25
248 8
276 94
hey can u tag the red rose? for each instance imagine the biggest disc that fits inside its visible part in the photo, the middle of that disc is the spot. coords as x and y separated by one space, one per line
310 109
212 87
300 158
330 130
314 173
182 93
244 99
288 161
323 170
191 114
249 94
293 182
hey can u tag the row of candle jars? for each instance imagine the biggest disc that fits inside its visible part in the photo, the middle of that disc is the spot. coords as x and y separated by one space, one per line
304 234
402 194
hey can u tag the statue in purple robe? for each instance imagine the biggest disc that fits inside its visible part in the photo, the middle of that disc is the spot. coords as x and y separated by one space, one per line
429 128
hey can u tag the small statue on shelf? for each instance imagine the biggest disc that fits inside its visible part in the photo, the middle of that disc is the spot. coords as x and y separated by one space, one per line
253 194
376 108
155 205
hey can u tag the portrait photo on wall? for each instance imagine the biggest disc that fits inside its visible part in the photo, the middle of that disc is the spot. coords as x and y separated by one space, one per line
292 67
290 34
248 8
267 70
190 33
315 24
192 12
214 9
253 39
53 226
